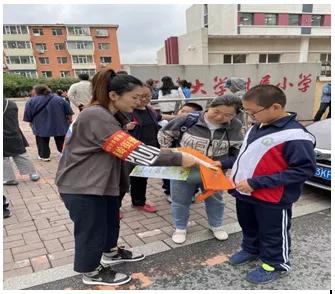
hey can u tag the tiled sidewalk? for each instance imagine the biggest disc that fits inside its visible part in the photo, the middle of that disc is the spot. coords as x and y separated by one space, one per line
38 236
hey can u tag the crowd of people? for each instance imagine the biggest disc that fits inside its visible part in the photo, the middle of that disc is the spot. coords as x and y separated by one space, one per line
117 128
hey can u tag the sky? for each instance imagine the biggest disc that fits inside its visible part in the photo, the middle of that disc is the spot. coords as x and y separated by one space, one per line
142 28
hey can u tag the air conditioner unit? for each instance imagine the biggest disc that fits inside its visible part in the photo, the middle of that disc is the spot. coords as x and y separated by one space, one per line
40 51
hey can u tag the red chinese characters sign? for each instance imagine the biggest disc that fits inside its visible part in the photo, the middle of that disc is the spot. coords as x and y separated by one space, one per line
219 87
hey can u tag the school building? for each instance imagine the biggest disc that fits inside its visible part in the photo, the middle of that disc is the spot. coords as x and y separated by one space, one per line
252 34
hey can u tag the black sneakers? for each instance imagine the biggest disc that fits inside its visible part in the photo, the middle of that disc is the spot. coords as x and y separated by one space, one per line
106 276
120 255
6 213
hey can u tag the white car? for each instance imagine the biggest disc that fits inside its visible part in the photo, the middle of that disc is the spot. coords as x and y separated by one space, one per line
322 176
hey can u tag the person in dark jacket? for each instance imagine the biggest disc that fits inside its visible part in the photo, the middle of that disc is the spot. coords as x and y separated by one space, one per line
14 146
49 116
143 126
325 102
276 158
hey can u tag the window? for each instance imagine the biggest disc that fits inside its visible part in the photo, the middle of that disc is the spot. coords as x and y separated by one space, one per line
270 19
15 30
103 46
269 58
307 7
325 58
82 58
41 47
227 59
38 32
16 45
47 74
90 72
239 58
317 20
62 60
262 58
305 31
20 60
106 59
273 58
59 46
64 74
79 31
26 73
101 33
206 15
294 20
44 60
235 58
246 19
57 32
80 45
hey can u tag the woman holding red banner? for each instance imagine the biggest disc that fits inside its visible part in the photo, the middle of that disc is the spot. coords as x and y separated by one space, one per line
89 175
216 133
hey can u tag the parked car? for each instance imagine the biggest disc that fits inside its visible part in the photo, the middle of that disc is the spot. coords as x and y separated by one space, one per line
322 176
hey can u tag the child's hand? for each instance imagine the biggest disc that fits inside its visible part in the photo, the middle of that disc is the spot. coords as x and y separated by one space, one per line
244 187
217 164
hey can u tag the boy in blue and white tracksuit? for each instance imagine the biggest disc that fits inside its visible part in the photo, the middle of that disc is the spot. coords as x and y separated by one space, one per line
275 160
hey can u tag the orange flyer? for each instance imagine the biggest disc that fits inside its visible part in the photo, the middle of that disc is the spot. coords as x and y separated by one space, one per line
214 180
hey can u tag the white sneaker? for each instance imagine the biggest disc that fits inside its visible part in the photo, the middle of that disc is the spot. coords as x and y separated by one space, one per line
179 236
44 159
219 233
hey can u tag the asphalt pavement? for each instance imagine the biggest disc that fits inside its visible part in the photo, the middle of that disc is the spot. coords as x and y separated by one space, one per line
204 266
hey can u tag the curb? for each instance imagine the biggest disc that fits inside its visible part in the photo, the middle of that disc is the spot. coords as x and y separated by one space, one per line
66 271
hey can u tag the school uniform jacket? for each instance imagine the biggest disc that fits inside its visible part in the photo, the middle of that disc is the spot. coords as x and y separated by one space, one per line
276 160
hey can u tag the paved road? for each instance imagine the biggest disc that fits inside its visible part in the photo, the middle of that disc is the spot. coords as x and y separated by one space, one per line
204 265
39 235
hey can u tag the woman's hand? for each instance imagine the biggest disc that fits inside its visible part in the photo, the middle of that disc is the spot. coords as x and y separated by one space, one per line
130 126
189 160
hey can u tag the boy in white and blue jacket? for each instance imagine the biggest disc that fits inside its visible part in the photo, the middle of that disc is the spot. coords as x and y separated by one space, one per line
275 160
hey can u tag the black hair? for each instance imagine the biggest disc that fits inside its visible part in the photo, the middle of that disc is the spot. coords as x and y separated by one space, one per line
59 92
185 84
150 82
193 105
106 81
122 72
83 76
42 89
167 85
266 95
228 100
121 84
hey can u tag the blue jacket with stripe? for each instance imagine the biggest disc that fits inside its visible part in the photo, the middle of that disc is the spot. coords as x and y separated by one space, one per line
280 174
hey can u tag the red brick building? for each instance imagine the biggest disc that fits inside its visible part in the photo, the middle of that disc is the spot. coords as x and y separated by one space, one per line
59 50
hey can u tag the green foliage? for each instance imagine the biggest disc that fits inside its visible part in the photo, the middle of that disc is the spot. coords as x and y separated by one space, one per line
20 86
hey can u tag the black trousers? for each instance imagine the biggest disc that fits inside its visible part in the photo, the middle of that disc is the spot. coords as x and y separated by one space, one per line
138 190
266 232
166 186
322 109
96 227
43 145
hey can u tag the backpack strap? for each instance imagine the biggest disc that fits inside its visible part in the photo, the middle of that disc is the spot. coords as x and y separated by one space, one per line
191 119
